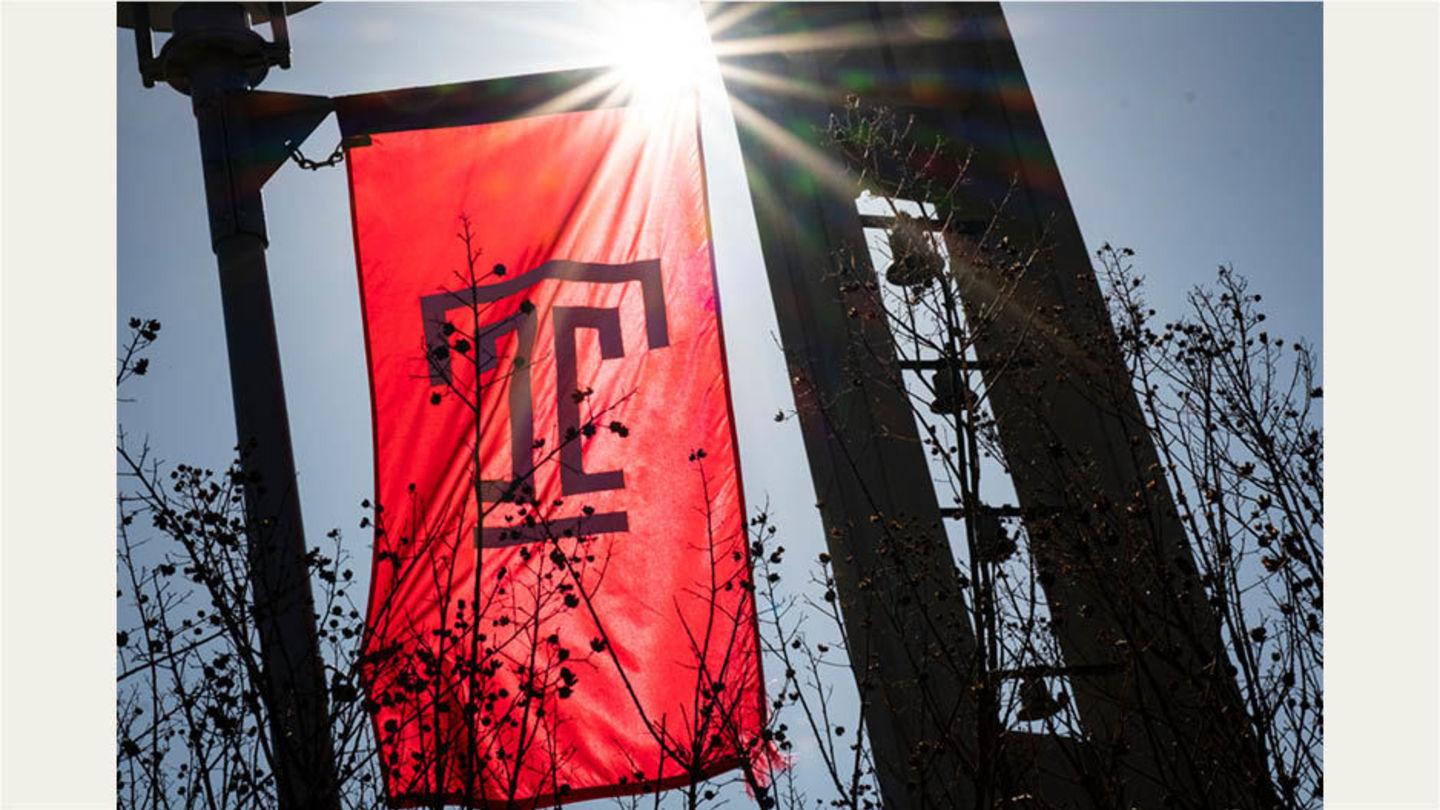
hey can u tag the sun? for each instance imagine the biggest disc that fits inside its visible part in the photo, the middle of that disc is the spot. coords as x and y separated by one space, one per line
658 48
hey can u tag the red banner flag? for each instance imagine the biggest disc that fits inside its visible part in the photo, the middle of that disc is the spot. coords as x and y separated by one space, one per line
561 605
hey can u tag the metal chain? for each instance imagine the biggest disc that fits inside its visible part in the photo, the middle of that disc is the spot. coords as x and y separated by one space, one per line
306 163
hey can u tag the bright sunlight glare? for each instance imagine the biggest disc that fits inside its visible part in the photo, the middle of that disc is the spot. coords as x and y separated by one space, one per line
659 48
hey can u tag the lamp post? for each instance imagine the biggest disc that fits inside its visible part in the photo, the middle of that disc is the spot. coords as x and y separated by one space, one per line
214 57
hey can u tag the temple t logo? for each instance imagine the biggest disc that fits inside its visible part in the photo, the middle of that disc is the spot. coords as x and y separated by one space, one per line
575 479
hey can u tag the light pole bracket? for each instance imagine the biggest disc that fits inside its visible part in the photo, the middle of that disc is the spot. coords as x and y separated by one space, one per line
275 122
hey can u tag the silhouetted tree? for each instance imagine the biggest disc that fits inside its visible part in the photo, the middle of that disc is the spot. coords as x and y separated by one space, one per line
475 685
1229 406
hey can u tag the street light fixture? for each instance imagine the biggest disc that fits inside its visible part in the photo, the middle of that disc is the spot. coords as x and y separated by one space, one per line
171 64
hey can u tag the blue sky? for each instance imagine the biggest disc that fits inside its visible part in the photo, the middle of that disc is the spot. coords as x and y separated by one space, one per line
1191 133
